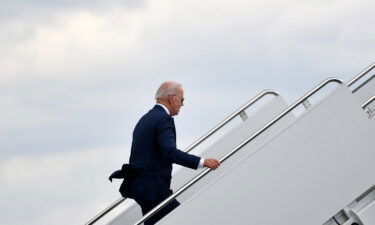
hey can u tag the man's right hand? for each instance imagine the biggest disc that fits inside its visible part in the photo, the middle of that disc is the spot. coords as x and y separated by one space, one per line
211 163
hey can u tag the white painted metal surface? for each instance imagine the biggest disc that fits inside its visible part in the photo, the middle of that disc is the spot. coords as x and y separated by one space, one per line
304 175
233 138
367 215
362 210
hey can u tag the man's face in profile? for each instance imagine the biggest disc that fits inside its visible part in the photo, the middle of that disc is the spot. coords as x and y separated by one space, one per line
177 100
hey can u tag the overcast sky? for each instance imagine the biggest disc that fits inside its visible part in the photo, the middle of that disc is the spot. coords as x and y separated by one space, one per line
75 76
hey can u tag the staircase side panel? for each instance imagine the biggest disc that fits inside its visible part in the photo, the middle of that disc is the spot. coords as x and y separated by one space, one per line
304 175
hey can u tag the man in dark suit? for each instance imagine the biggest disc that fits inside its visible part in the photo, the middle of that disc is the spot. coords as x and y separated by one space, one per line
154 151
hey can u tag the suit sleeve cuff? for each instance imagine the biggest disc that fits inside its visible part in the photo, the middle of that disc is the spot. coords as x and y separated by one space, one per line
201 164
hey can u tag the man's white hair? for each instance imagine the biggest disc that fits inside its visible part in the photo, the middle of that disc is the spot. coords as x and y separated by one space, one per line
167 88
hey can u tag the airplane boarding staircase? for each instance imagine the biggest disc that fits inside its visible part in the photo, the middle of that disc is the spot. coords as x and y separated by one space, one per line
281 168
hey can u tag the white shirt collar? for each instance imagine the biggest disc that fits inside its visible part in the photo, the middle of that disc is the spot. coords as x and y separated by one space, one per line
165 108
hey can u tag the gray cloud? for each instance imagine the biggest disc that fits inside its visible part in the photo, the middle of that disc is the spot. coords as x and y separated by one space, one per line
59 188
51 117
24 8
61 3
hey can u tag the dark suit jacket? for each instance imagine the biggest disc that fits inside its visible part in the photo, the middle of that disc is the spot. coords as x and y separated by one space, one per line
152 154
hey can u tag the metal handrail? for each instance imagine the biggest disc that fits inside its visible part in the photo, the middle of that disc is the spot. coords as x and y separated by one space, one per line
364 83
196 143
231 117
105 211
359 76
368 102
233 151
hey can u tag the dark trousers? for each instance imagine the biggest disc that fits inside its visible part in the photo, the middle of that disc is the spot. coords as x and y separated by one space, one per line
148 205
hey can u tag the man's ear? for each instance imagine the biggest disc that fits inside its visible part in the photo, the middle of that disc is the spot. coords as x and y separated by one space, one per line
170 100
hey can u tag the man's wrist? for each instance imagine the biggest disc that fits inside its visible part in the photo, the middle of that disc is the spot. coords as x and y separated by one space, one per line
201 163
